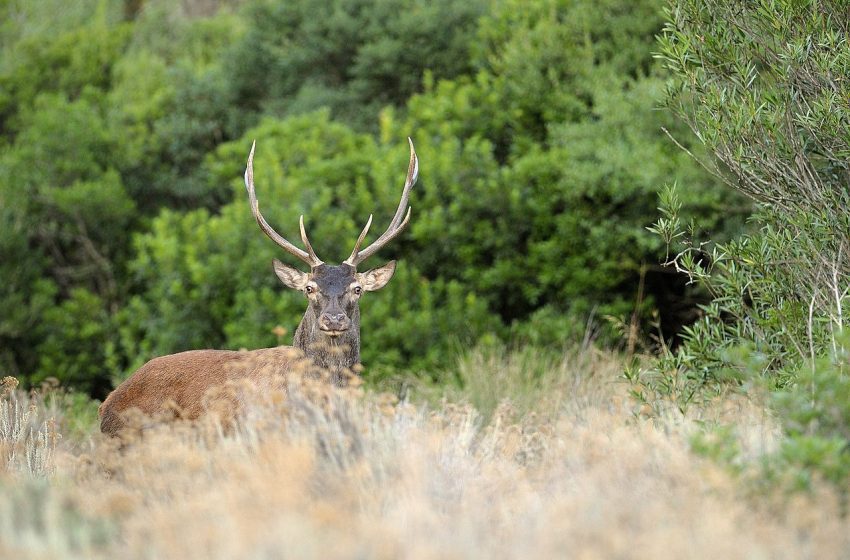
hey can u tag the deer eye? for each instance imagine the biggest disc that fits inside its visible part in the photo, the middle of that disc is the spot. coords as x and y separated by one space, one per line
309 289
358 290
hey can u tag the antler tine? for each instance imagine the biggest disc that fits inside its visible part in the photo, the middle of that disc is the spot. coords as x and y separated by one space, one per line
399 221
309 258
351 259
306 241
412 175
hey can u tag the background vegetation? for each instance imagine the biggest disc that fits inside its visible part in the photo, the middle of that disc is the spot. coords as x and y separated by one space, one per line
125 126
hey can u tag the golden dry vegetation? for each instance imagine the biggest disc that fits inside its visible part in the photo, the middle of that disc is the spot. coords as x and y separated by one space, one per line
566 468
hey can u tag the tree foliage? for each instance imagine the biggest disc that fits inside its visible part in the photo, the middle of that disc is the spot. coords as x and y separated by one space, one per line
352 56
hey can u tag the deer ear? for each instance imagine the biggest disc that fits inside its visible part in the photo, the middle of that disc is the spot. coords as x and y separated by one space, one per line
376 278
291 277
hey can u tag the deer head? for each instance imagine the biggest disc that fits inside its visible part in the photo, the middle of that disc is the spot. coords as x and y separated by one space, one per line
330 330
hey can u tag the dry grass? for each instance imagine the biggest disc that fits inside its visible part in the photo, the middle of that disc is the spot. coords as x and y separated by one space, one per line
323 474
27 435
535 382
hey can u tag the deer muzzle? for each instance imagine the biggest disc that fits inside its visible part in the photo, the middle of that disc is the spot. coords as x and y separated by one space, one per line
334 324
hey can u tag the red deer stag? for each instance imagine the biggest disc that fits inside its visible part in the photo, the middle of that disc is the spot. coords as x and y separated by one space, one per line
329 333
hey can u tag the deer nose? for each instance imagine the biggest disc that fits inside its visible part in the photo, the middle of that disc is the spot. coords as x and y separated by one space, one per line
333 322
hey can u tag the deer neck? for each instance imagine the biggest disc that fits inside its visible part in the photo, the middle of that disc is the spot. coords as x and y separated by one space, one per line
330 352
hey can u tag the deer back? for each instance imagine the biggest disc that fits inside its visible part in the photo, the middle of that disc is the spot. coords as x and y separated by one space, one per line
181 382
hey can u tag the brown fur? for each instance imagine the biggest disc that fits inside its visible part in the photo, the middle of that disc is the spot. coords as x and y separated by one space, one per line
181 381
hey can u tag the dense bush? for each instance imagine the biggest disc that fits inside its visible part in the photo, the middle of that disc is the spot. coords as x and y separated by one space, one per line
352 56
763 87
765 94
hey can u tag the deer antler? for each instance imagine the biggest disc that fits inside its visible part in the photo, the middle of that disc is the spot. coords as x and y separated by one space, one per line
309 257
396 225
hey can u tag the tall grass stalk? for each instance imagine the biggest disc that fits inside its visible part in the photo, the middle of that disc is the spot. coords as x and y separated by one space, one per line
27 436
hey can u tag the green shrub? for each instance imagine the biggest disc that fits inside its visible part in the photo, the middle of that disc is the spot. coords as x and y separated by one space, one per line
352 56
779 128
67 63
761 85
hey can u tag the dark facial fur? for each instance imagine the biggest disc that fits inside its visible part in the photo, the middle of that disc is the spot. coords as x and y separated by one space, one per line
329 333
